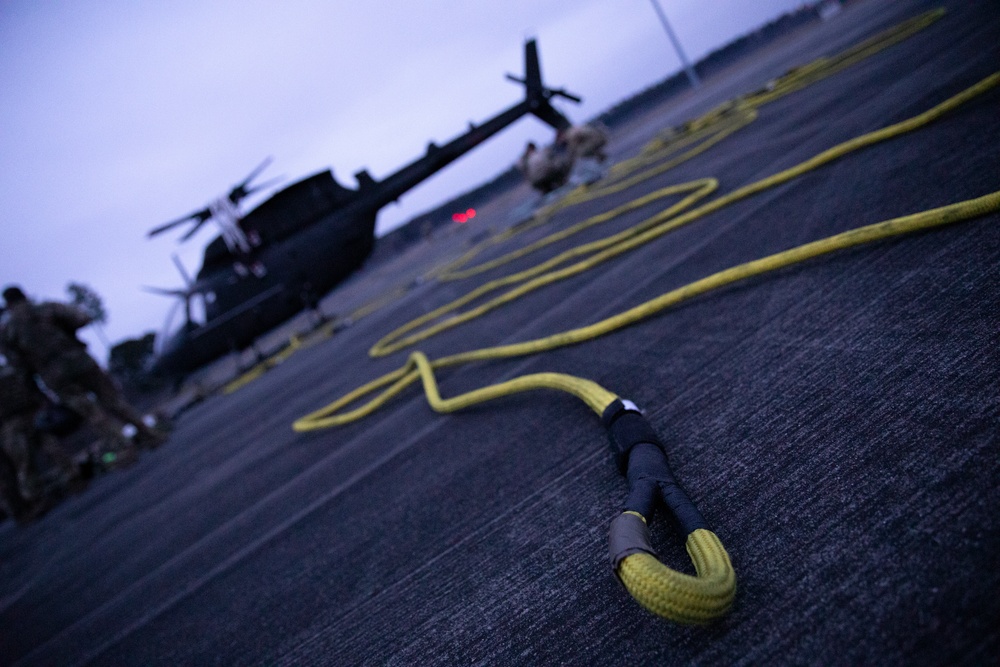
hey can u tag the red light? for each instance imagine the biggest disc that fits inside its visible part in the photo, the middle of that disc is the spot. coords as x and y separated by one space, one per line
459 217
470 214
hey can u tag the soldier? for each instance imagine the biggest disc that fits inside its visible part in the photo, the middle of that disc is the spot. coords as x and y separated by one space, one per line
41 339
20 400
548 168
11 502
587 141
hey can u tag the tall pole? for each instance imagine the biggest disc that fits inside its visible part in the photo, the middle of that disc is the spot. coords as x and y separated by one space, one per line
692 77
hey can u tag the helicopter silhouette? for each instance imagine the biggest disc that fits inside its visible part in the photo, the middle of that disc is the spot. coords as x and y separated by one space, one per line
280 258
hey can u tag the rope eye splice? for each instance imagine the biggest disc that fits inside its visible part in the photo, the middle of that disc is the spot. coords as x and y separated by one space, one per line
683 598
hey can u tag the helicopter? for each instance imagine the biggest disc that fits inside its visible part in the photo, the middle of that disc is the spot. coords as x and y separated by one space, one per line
280 258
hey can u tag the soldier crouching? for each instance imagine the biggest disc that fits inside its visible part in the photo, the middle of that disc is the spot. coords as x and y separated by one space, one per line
41 338
20 441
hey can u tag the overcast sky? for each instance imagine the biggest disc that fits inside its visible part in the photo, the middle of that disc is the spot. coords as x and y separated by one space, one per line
120 115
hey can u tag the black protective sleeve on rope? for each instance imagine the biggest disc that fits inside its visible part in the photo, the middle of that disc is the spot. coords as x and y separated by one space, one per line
629 535
627 428
649 476
642 458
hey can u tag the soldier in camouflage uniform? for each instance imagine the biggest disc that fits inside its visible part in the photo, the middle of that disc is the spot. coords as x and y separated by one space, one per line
546 168
20 400
41 339
11 503
586 141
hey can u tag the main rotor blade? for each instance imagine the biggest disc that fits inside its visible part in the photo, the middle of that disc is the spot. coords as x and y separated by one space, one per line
167 324
562 93
266 184
180 267
195 228
163 291
240 191
200 216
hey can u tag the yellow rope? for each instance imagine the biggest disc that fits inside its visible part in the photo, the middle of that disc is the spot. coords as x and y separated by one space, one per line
294 344
711 135
654 227
699 189
394 382
657 587
709 129
661 590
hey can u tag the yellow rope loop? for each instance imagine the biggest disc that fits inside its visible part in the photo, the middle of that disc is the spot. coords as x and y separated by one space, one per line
709 136
822 68
681 597
294 344
377 303
245 379
672 139
391 383
447 272
741 111
699 189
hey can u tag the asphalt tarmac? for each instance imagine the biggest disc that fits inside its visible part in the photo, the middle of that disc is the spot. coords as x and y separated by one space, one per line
836 423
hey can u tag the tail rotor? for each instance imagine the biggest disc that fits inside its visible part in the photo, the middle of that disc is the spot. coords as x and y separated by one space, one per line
537 94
